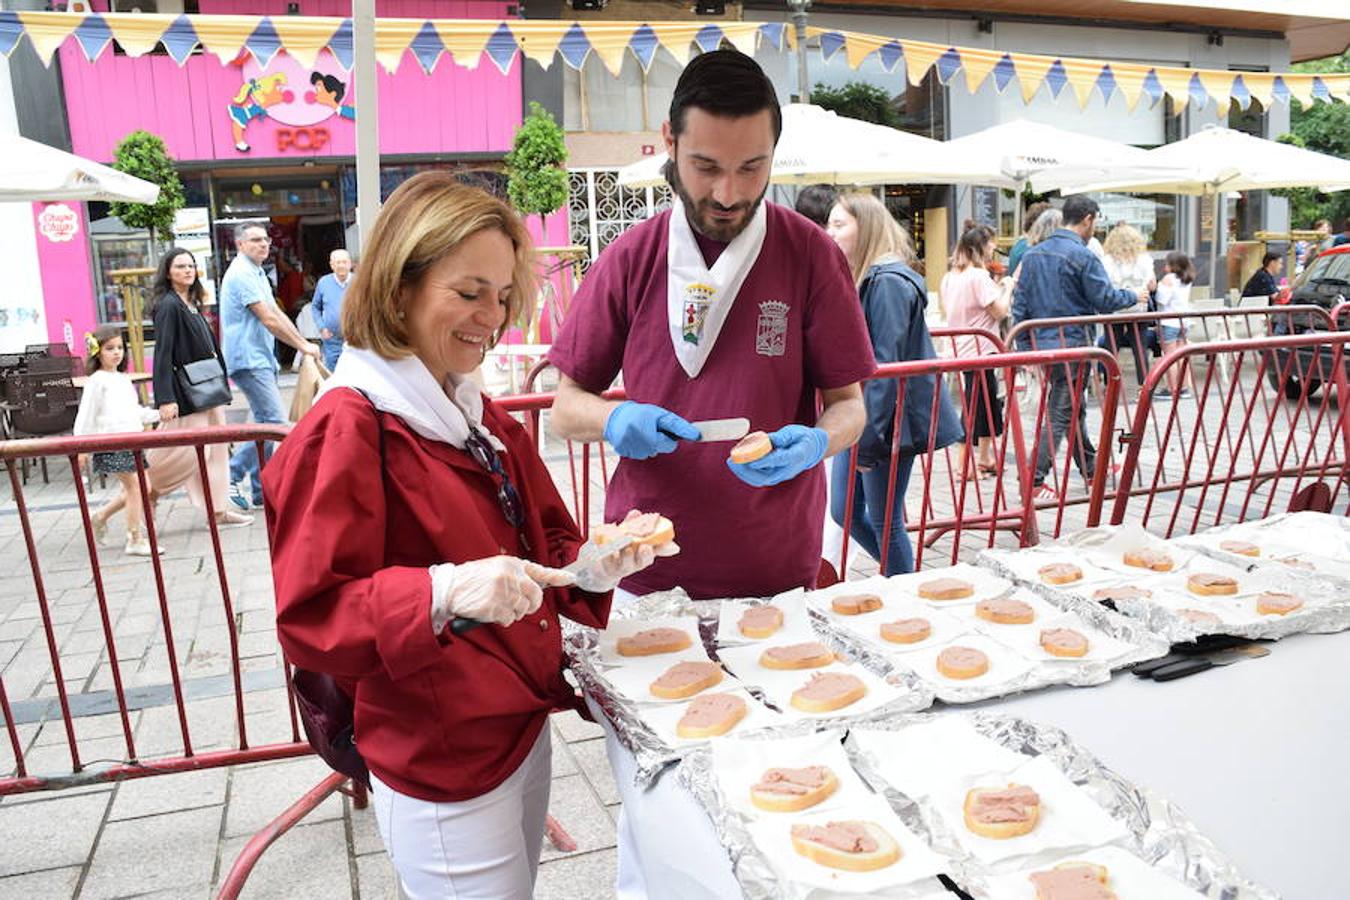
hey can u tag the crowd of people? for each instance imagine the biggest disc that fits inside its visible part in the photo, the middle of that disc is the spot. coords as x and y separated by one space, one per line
407 503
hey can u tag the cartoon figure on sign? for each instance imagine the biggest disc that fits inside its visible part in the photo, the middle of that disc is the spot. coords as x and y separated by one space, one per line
302 101
252 101
328 91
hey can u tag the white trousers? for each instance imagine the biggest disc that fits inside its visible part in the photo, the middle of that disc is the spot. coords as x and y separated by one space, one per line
487 847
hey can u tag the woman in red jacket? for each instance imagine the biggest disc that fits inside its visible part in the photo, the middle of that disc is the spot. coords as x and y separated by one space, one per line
404 499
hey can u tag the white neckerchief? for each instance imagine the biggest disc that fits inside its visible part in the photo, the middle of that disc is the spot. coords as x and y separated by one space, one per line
698 299
404 388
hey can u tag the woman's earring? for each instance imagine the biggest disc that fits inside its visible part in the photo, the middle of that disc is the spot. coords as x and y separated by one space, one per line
401 315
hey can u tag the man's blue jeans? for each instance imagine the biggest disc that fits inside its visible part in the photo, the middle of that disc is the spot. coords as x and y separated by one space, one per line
332 349
869 509
264 400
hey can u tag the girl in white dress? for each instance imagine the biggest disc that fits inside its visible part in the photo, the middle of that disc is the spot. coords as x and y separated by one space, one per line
109 405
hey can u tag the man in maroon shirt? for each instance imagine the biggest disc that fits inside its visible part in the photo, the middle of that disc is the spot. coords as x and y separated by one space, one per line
722 306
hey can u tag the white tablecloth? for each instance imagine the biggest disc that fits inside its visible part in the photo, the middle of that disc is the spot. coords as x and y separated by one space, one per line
1256 754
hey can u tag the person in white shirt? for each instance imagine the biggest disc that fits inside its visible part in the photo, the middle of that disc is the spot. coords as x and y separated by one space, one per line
1174 296
1129 266
109 405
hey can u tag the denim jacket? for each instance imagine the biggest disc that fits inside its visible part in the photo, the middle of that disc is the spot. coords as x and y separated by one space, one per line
893 299
1061 277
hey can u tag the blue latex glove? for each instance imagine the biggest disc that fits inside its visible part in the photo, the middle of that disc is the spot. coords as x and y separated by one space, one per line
642 430
796 448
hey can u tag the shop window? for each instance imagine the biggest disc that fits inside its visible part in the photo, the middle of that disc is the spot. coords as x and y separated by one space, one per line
1247 212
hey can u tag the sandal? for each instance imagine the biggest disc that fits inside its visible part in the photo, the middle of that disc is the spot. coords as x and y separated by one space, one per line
231 519
100 529
992 469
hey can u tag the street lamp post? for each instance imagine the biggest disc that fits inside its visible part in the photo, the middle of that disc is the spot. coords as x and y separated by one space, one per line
799 8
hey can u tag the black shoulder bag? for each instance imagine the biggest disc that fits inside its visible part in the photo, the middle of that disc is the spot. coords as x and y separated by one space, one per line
326 711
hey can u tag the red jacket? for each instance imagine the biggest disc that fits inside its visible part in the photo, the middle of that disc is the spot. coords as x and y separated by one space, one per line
437 717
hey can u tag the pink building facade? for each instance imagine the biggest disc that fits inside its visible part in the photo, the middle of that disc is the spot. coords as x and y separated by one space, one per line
267 140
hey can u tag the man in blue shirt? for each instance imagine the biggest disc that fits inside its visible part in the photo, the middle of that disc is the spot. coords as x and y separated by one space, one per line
327 305
1061 277
249 318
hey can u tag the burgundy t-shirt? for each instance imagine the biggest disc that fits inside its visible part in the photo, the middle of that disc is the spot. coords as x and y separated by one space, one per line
796 326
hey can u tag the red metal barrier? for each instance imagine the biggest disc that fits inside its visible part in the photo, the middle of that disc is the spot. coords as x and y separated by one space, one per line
1229 451
1340 315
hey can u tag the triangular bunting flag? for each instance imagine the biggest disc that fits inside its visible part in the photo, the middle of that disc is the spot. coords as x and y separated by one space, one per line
1279 90
93 35
1129 80
1320 91
890 55
1106 83
709 38
49 32
1031 73
743 36
978 64
264 42
857 48
138 34
180 39
303 37
678 40
1082 75
1240 93
1300 88
392 39
773 33
574 46
341 46
1176 83
1196 91
1260 85
538 40
220 35
1056 78
919 58
948 64
11 32
1004 73
466 41
501 48
427 48
831 42
1219 87
610 43
644 45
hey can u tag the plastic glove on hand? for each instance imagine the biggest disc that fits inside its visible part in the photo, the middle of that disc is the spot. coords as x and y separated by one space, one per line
796 449
642 430
607 570
499 589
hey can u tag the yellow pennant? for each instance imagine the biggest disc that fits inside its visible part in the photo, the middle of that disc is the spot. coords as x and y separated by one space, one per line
465 41
1031 73
48 31
1177 84
303 37
919 58
977 65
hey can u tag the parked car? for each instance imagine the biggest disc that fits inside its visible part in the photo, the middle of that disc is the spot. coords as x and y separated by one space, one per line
1325 283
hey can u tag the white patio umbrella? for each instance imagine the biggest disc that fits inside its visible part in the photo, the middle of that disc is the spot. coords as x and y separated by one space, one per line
32 171
1215 161
819 146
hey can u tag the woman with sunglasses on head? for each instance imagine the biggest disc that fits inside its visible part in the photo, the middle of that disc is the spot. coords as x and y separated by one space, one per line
405 500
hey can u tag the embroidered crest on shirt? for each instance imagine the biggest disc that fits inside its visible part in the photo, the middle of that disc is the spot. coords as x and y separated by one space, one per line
771 333
698 297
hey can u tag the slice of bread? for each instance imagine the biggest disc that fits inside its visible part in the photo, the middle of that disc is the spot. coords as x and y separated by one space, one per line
946 589
685 679
1064 642
1148 558
755 445
654 641
1073 880
855 604
1209 585
1005 611
790 790
709 715
761 621
808 655
1002 813
1277 603
1060 573
1241 548
827 691
962 662
825 844
649 529
907 631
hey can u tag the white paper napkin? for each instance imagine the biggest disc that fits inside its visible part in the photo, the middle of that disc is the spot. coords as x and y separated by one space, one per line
1005 664
985 582
621 628
633 680
1128 875
778 684
1026 640
738 764
1027 563
662 719
796 626
913 759
1004 633
946 625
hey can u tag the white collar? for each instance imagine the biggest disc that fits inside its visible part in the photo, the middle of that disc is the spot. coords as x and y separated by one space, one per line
404 388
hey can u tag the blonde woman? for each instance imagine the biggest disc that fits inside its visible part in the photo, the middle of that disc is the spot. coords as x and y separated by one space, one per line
406 499
1129 266
893 300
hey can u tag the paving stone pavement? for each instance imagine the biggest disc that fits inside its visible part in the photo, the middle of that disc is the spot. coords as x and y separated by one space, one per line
178 835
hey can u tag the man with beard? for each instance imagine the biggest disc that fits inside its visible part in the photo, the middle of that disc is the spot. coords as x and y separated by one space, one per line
723 306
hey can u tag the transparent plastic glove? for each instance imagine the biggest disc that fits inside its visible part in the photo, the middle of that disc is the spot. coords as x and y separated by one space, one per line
796 449
602 571
642 430
499 589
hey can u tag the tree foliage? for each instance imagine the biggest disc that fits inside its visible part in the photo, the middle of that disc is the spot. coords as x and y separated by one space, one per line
537 180
143 155
1324 127
858 100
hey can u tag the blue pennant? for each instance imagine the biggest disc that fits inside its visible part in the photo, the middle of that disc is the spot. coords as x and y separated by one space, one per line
1280 91
179 39
774 32
1199 96
1056 78
11 30
427 47
831 42
948 64
501 47
1004 73
1320 91
264 42
709 38
1240 93
574 46
1153 89
890 55
93 34
644 45
1106 83
340 45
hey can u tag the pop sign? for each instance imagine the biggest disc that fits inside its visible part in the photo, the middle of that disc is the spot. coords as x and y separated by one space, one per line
59 223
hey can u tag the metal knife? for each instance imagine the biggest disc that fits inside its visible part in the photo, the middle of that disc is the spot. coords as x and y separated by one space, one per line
461 625
713 430
1179 665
